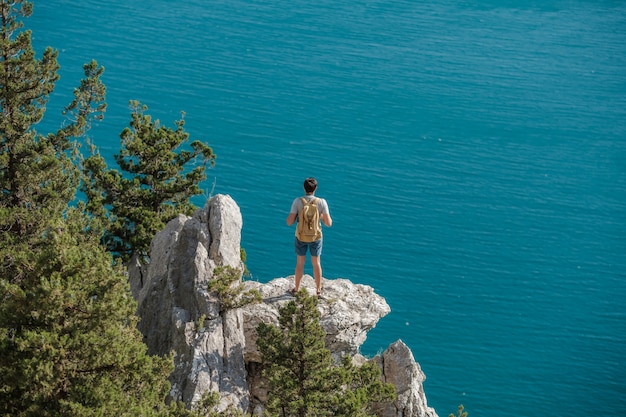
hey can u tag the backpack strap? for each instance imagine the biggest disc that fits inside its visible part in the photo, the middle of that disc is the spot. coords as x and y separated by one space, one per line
305 201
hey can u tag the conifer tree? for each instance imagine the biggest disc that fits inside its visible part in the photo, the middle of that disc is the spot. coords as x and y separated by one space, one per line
68 339
155 184
37 174
303 379
296 362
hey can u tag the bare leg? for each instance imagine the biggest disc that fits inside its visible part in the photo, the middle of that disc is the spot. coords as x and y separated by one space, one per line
317 272
299 270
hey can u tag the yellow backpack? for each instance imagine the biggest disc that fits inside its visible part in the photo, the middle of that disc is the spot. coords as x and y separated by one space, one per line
309 228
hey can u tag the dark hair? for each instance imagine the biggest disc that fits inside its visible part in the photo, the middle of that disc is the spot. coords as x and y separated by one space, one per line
310 185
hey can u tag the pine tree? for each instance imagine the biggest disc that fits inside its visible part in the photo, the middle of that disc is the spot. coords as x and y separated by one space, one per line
155 184
68 338
303 379
297 363
37 174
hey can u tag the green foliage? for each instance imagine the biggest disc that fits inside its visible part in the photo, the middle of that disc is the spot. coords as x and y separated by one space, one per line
296 362
201 321
361 387
207 407
37 173
88 103
227 283
303 379
244 256
68 338
460 412
154 186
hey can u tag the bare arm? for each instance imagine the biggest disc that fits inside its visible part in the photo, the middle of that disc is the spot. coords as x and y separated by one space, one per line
291 218
328 221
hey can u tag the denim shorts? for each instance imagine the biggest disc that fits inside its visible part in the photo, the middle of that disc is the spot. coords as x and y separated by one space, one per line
315 247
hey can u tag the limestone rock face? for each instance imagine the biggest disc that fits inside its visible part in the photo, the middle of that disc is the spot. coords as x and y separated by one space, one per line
179 314
400 369
216 349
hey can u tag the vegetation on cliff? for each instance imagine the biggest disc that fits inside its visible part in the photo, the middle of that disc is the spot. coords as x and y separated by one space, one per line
303 379
155 184
68 338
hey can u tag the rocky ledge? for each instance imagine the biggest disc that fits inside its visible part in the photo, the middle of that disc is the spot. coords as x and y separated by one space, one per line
215 349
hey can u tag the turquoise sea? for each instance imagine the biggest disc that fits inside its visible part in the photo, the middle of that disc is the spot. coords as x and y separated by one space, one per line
473 154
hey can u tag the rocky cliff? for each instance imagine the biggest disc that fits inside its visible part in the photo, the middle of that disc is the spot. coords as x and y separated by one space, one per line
215 349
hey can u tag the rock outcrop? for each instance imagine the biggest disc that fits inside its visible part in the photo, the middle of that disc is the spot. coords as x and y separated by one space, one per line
178 313
400 369
348 311
215 350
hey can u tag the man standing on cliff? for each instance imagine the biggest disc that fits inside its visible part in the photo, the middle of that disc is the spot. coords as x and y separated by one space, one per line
309 236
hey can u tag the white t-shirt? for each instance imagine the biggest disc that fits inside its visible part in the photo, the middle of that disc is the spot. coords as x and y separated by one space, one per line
322 205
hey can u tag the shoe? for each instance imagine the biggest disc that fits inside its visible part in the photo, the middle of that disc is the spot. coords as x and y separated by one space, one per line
292 291
319 292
